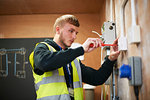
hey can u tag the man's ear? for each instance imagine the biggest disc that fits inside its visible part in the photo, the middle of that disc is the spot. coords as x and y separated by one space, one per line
57 29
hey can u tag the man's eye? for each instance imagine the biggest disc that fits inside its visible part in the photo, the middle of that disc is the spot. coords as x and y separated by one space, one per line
76 33
71 31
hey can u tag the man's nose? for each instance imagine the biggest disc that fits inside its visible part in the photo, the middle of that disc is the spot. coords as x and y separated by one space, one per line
74 35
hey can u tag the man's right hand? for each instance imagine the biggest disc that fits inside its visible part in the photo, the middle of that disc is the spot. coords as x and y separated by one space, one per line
95 41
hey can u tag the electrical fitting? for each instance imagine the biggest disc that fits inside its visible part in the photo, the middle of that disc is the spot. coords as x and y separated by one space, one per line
125 71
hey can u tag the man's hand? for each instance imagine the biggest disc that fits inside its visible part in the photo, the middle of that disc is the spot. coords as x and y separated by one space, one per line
95 41
114 53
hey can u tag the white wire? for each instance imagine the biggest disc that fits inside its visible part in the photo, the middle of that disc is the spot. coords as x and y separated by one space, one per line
97 34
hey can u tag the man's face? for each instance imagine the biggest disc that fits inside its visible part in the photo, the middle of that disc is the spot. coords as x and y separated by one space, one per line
68 34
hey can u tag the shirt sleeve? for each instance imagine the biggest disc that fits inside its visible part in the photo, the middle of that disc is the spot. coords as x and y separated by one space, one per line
46 60
97 77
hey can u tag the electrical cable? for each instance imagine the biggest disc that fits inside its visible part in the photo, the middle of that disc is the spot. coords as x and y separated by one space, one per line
136 91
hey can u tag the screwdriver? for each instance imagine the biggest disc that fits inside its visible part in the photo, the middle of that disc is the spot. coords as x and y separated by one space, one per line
102 44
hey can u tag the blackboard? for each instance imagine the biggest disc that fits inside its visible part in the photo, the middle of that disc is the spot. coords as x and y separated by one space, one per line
11 86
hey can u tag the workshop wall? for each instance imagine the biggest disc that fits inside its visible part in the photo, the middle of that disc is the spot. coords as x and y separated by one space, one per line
41 26
124 90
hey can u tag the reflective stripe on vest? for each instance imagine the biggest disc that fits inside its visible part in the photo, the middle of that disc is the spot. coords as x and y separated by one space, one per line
52 85
56 97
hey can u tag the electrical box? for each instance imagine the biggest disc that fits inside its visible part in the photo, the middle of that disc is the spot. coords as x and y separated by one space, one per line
136 70
134 34
109 32
132 71
122 43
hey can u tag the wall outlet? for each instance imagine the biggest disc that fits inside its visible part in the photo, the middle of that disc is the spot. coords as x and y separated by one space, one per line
122 43
134 34
132 71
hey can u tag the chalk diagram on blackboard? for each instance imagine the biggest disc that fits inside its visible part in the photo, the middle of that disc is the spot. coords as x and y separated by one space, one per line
18 61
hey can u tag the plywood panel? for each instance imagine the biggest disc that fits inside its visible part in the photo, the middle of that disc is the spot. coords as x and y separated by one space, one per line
15 7
126 92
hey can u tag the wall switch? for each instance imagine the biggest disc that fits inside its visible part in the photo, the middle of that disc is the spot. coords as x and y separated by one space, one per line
134 34
122 43
136 71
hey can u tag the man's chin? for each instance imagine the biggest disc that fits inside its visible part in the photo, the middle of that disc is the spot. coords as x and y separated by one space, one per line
69 45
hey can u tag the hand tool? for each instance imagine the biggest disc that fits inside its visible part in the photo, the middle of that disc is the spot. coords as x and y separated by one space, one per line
102 44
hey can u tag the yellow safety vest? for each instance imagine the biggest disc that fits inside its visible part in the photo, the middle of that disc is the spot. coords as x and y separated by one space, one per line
52 85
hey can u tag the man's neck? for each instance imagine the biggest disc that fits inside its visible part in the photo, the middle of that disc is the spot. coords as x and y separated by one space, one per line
59 43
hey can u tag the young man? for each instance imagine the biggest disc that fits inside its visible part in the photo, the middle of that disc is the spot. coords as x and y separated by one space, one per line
57 72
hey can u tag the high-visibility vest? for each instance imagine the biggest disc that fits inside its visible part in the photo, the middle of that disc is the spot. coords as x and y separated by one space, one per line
52 85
